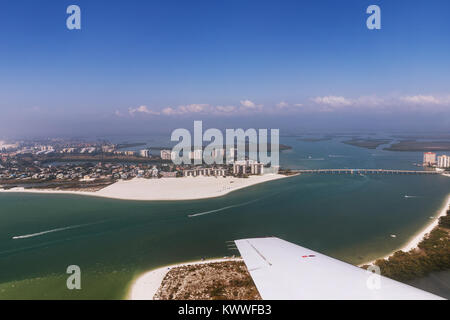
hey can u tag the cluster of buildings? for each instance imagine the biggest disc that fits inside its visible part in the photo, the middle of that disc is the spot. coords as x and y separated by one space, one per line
25 162
56 146
82 172
125 153
45 148
66 147
200 171
16 149
197 154
7 146
15 171
246 167
430 159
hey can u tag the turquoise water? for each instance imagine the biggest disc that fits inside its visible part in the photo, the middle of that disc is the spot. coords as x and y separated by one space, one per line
348 217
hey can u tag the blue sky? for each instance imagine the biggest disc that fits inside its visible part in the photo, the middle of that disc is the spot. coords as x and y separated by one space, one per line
159 64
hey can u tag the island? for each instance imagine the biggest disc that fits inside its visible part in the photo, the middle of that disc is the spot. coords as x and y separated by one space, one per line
100 169
367 143
227 280
182 188
425 146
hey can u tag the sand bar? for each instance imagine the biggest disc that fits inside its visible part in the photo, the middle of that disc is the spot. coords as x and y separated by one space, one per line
186 188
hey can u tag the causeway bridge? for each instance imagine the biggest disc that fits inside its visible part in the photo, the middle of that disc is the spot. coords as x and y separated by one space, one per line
364 171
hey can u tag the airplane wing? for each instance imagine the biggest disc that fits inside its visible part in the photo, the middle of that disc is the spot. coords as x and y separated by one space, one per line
283 270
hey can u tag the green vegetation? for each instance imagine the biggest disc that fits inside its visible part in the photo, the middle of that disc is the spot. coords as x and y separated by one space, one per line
433 254
412 145
367 143
67 185
442 136
444 221
227 280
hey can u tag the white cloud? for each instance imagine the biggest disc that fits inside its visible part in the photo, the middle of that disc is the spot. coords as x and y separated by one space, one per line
328 103
424 100
370 101
168 111
142 109
186 109
248 104
194 108
282 104
333 101
383 104
225 109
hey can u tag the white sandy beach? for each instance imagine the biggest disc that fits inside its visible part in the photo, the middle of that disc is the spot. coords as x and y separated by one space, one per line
416 239
186 188
146 285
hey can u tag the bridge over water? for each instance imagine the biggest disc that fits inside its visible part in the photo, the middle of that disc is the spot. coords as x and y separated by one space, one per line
365 171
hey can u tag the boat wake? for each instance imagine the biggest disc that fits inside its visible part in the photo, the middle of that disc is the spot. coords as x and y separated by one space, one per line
221 209
336 156
312 159
37 234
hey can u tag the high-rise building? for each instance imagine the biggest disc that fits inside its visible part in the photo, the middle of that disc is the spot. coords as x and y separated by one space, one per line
429 159
144 153
231 153
248 167
166 154
218 153
108 149
443 161
197 154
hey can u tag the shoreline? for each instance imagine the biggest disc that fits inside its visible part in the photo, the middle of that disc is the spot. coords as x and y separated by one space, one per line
418 237
165 189
145 286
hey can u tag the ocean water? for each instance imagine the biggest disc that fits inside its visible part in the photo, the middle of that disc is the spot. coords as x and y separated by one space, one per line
350 217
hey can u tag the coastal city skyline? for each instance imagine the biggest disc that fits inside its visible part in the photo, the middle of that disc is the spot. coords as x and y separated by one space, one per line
138 171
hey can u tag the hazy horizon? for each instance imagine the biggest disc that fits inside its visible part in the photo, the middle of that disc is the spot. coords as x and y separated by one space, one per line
150 67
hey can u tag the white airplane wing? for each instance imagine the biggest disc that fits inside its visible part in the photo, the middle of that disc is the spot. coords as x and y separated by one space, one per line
283 270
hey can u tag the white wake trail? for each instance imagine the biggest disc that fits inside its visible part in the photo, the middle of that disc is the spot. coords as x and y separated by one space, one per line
37 234
221 209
